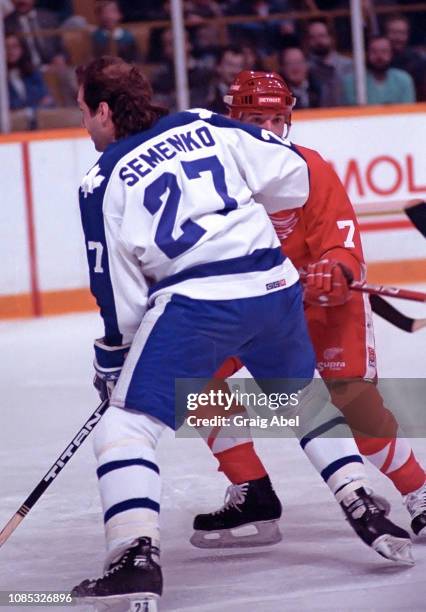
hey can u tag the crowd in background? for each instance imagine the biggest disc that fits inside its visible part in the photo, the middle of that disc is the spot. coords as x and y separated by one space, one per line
44 38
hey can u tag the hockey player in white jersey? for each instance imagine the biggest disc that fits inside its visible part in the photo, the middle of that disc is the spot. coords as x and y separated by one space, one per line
184 265
187 270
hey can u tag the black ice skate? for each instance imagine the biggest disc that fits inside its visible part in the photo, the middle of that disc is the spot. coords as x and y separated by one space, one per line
252 503
135 578
372 526
416 506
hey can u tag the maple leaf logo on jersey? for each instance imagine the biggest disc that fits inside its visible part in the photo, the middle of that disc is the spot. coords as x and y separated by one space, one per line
284 225
92 180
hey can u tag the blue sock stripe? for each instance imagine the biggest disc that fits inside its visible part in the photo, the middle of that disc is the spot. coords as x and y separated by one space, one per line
339 463
318 431
117 465
130 504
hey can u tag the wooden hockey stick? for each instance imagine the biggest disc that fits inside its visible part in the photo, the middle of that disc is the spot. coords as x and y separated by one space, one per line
53 472
404 294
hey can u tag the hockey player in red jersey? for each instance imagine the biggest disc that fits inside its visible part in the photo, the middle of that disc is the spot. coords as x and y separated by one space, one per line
323 240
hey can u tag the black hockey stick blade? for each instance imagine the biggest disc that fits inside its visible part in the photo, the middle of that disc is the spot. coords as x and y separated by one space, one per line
417 215
53 472
391 314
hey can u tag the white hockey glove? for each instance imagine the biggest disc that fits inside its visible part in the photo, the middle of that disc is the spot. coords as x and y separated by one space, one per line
108 363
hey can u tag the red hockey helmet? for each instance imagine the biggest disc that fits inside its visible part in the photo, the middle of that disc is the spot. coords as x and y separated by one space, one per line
260 92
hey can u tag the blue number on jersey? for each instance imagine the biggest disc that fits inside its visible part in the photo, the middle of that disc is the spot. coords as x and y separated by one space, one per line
212 164
191 232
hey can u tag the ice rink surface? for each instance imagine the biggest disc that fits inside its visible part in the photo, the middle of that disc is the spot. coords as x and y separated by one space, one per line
320 564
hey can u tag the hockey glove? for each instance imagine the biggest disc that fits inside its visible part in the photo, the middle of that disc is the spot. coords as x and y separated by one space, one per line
326 283
108 363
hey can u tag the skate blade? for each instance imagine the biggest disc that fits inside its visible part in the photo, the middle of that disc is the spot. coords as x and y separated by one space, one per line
394 549
137 602
267 533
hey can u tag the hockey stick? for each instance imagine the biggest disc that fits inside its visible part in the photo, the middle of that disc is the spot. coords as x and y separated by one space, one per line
391 314
417 215
404 294
53 472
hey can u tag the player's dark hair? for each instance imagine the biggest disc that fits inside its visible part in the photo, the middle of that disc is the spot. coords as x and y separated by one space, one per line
125 89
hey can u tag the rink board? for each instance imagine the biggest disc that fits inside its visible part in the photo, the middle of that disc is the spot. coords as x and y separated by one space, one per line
378 153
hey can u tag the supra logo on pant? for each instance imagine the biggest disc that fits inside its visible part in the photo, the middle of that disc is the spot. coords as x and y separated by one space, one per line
276 284
329 362
330 365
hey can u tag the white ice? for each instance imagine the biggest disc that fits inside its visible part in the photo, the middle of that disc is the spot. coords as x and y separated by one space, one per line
320 564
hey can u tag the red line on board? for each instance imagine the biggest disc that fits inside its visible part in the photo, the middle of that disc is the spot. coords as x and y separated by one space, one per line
29 204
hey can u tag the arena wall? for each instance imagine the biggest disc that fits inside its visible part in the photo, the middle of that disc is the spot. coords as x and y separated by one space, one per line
378 153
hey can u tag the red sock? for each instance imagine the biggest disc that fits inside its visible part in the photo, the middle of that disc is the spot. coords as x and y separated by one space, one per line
409 477
376 434
241 463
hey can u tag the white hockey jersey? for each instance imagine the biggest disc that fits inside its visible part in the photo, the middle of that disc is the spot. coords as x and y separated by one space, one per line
176 209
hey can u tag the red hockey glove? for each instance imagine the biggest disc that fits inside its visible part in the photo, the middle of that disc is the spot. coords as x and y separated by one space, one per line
326 283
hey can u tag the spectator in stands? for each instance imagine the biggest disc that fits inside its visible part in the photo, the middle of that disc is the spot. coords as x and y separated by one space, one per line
397 30
110 38
341 25
385 85
163 79
30 22
197 10
264 35
46 51
205 42
260 7
6 7
294 68
205 37
146 10
230 63
252 58
27 88
327 66
62 8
